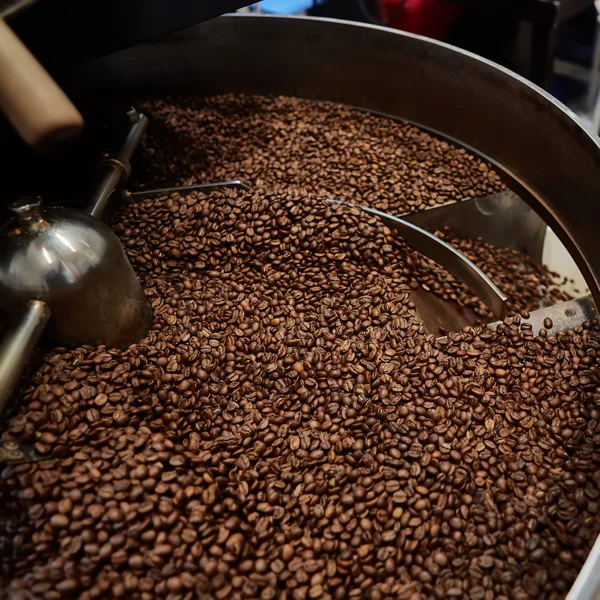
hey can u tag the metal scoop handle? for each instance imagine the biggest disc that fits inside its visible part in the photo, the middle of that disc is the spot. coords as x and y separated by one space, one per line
213 186
115 170
445 255
18 344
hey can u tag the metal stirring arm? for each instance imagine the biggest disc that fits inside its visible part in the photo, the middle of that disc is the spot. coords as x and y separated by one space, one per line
441 252
18 344
115 170
445 255
213 186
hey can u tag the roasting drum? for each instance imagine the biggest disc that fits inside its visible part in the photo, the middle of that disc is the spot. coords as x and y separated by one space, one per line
530 137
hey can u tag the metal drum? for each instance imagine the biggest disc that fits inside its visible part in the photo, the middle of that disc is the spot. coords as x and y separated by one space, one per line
530 137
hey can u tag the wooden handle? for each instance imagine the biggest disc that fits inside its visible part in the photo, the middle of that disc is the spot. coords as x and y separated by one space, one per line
35 105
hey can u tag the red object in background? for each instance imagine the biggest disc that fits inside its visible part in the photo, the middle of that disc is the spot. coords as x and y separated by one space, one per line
431 18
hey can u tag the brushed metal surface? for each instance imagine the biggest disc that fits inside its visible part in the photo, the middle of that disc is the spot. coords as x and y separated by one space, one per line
501 219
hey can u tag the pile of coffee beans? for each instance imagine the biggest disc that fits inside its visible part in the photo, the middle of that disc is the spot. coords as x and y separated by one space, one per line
331 150
288 430
526 283
320 147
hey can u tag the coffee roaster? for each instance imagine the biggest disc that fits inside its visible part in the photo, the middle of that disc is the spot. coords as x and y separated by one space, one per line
550 163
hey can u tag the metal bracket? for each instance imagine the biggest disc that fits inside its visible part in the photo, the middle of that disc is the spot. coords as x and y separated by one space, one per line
501 219
564 316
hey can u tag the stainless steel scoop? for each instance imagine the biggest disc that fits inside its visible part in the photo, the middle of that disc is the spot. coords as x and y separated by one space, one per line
66 269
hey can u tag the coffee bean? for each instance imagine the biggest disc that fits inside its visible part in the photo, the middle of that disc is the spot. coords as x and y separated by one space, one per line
347 500
47 438
440 559
260 566
59 521
101 400
287 552
66 586
174 585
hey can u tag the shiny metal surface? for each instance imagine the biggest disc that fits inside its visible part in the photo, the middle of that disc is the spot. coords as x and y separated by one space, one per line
213 186
139 124
551 162
445 255
69 264
587 584
564 315
501 219
75 264
69 268
108 178
113 171
18 343
45 256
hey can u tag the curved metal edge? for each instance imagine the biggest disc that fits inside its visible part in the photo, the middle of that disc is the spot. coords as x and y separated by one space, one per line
500 219
444 254
587 584
554 164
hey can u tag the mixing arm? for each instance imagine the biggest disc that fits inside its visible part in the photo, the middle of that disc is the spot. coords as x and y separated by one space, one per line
444 254
115 170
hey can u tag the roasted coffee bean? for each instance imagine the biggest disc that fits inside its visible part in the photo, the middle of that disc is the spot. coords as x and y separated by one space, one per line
286 428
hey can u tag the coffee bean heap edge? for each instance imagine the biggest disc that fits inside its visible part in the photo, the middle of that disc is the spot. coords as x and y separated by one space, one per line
527 284
319 147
